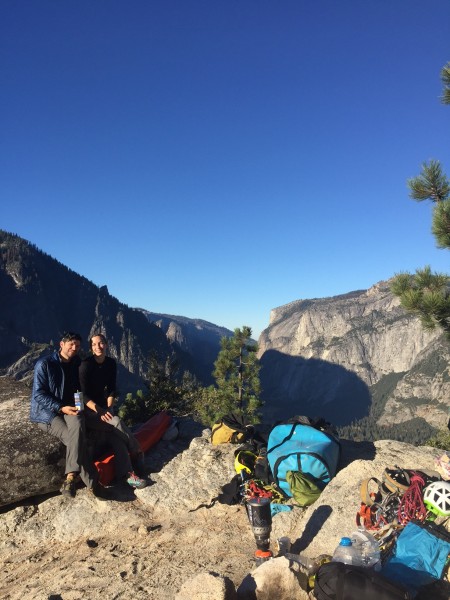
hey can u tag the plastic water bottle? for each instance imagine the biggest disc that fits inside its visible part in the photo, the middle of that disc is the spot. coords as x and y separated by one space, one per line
346 553
283 545
307 565
367 548
79 401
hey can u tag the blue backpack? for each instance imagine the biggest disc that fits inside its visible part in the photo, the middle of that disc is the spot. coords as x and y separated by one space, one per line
305 446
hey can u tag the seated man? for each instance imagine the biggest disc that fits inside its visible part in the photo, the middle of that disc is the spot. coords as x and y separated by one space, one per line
53 409
98 383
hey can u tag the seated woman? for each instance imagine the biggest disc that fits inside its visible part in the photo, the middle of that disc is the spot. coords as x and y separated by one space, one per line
97 375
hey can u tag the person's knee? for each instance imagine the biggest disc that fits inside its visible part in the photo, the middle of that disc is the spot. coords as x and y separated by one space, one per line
75 421
44 426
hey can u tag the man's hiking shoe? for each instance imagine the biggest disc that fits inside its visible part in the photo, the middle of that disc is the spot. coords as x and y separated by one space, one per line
101 492
68 487
136 482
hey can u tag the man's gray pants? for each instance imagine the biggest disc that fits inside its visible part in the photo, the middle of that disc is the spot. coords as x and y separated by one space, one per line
71 431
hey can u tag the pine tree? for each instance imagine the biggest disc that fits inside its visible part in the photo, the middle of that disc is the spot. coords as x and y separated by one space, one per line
445 76
427 294
236 372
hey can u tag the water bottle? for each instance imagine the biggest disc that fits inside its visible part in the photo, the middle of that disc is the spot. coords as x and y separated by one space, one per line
283 545
368 549
79 402
346 553
307 565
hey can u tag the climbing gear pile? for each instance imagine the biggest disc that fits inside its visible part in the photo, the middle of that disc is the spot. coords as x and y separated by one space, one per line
379 504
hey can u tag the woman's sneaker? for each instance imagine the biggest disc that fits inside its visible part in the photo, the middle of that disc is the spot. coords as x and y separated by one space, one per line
135 481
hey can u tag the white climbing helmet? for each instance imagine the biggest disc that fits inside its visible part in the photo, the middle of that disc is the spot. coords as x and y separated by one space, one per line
436 497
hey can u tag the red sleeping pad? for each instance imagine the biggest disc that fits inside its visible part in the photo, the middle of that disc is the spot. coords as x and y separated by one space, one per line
147 435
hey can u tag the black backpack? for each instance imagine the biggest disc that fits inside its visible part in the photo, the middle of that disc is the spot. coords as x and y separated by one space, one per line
338 581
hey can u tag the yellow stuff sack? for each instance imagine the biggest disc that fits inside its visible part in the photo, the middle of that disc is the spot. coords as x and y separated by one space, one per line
231 429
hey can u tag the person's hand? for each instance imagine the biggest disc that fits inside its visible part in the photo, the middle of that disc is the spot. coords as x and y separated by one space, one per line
105 415
69 410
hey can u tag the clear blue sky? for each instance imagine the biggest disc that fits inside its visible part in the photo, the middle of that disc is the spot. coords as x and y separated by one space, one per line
217 159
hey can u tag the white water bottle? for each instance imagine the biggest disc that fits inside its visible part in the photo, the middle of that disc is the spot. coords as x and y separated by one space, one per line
346 553
79 401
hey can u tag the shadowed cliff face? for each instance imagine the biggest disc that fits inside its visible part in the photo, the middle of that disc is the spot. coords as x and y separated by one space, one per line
295 385
330 356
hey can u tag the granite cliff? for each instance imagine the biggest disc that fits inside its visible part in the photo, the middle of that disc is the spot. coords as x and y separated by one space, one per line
347 356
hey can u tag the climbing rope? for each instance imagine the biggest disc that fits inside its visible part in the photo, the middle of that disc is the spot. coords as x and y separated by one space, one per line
411 503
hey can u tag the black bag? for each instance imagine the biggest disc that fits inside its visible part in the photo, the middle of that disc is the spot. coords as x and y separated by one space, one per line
337 581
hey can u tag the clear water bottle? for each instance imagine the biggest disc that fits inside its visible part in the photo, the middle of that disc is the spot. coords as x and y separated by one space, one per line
368 549
307 565
346 553
283 545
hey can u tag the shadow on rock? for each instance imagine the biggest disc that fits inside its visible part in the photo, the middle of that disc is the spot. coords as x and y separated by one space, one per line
312 528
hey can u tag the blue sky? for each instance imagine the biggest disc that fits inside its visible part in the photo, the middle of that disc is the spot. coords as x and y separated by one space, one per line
218 159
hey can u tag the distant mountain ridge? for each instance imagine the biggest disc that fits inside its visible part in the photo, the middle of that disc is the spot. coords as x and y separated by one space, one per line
41 298
346 356
194 336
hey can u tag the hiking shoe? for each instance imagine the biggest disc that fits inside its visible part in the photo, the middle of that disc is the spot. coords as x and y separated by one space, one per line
101 492
68 487
135 481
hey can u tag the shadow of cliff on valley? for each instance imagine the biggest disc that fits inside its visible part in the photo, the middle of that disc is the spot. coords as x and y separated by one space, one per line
293 385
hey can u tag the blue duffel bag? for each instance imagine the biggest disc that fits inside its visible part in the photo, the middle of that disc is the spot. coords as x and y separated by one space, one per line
305 446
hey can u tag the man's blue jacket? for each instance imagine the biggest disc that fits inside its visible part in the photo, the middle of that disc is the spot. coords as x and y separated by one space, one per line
48 387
